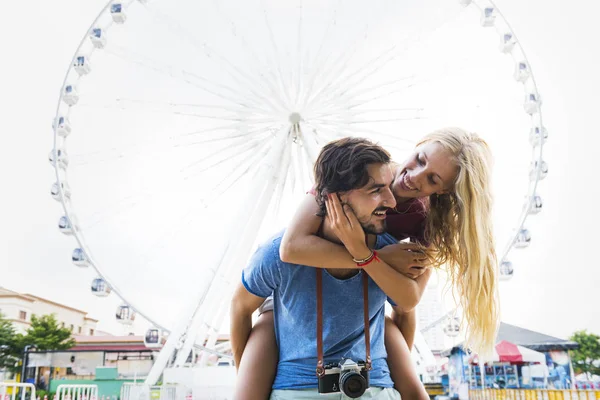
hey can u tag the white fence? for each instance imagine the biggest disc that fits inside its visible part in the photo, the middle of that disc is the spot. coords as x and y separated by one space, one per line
140 391
77 392
17 391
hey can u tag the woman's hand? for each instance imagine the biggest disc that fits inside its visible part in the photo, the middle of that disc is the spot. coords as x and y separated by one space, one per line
346 227
407 258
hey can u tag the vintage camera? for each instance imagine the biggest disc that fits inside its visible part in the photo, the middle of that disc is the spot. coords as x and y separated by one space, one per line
347 376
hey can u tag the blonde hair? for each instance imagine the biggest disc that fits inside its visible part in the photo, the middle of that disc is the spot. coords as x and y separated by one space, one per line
459 228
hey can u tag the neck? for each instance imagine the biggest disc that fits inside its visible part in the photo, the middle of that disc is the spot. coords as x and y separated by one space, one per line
402 199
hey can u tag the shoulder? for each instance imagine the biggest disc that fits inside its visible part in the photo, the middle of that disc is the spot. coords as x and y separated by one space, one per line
384 240
268 250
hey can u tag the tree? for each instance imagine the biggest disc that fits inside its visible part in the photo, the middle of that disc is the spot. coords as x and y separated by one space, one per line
7 343
45 334
586 358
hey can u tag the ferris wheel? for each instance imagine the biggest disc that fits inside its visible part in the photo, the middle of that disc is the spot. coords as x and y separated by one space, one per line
185 132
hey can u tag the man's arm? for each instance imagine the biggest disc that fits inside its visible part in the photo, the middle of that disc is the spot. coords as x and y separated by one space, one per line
243 304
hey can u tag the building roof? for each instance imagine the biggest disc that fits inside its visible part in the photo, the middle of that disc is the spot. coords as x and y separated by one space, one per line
109 343
108 339
533 340
526 338
6 293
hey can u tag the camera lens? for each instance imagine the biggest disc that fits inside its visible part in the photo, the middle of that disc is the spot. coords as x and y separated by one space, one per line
353 384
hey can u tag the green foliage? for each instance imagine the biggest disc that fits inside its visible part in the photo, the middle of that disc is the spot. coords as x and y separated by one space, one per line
586 359
7 343
46 334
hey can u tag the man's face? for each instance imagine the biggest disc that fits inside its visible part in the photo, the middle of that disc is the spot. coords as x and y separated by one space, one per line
371 202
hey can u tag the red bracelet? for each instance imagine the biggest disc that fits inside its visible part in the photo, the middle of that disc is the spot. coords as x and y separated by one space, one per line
369 260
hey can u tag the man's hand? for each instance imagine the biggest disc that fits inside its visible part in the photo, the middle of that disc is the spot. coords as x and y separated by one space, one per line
407 258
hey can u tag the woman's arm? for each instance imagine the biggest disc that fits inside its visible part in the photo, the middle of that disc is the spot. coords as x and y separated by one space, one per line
301 245
404 291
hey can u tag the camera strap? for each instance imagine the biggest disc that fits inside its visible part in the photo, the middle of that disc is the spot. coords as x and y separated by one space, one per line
320 362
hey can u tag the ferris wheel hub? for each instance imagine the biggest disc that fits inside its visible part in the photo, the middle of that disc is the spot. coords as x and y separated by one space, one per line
295 118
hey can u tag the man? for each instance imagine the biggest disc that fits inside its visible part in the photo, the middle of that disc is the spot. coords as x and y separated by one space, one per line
361 175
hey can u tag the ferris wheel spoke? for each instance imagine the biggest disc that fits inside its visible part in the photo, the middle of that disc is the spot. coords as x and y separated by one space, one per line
342 128
280 78
325 72
234 72
204 84
349 92
332 112
243 147
232 135
184 109
270 83
228 128
246 167
343 83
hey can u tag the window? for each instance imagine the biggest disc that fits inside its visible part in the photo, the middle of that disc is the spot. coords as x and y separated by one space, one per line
23 315
79 329
71 327
91 332
62 324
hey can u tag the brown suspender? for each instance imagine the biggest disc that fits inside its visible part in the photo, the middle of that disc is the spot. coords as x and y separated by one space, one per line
320 363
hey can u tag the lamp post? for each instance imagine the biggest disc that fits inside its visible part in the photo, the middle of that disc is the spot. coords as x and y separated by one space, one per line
24 367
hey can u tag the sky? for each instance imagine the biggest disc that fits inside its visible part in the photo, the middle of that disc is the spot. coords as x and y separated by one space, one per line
555 290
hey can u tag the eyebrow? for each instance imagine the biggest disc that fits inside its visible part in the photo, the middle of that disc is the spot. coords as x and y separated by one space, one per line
439 177
372 186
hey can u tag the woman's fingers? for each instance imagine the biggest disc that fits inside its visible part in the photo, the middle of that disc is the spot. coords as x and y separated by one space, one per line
337 206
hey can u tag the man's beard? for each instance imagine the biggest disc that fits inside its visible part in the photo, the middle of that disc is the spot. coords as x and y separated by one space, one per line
372 229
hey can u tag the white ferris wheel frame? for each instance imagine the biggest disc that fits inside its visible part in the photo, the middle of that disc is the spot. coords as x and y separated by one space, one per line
199 328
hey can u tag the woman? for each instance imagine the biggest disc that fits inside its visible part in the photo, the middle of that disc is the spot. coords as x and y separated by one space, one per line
443 199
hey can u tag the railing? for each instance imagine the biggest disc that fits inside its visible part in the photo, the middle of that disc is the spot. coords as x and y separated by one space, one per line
533 394
140 391
77 392
8 391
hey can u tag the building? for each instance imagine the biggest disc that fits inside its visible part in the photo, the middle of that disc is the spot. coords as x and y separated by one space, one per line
551 368
19 307
429 312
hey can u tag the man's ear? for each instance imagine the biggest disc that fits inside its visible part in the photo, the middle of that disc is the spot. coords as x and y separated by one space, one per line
343 196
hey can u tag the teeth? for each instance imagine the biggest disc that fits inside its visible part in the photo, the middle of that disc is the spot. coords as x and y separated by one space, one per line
408 184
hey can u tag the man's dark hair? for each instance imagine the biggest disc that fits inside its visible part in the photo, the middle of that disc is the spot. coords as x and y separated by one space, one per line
342 166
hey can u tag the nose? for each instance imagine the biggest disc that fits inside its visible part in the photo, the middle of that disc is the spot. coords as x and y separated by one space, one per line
417 177
388 198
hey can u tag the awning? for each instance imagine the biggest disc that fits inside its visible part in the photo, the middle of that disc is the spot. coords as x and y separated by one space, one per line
505 351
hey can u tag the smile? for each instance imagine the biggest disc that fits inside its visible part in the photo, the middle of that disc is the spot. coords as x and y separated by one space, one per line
380 214
406 183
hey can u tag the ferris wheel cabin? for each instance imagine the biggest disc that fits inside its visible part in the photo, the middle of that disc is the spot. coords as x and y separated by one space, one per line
100 288
79 258
55 191
117 12
98 38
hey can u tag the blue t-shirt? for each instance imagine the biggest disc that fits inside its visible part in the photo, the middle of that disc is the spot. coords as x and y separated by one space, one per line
295 306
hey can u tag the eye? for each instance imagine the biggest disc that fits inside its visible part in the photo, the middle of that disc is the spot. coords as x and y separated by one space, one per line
432 181
420 160
376 190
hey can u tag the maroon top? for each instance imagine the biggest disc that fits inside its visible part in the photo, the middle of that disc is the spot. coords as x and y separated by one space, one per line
407 220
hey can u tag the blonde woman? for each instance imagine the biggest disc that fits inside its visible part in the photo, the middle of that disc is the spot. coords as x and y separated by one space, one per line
443 199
